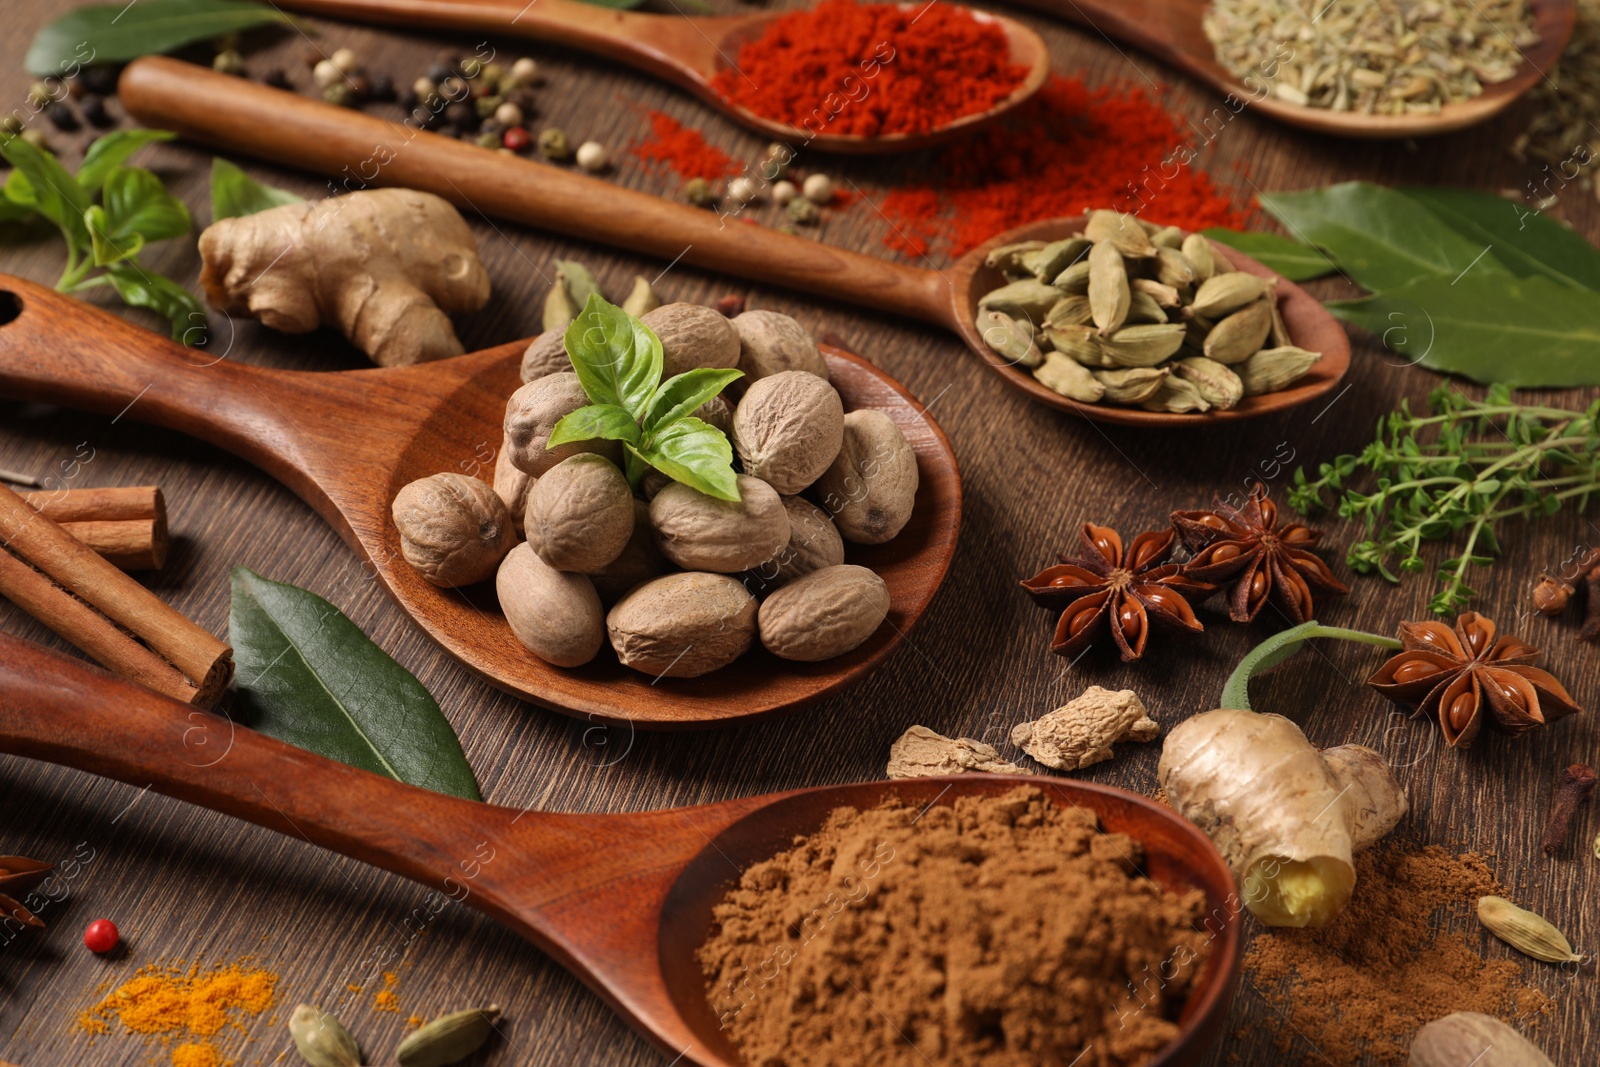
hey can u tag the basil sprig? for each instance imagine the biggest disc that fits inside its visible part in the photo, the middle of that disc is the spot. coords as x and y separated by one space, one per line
619 363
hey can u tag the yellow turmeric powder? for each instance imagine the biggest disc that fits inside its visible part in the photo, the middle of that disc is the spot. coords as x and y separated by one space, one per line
190 1054
168 1000
386 999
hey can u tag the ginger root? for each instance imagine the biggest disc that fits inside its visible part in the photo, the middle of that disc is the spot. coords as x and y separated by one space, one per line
1082 731
924 753
383 265
1287 818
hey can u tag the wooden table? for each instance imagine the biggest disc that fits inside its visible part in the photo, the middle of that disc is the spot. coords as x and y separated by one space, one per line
184 883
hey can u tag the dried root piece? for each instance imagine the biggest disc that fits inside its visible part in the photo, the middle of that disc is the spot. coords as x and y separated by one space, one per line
383 265
922 753
1082 732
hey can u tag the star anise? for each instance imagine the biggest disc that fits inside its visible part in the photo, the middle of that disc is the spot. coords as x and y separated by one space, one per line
18 874
1125 589
1247 547
1455 674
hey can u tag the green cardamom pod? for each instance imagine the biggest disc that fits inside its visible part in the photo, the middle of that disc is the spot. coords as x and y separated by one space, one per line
1055 257
1528 933
1167 237
642 300
1240 335
1165 295
1008 258
1008 338
1082 343
1071 310
1133 385
1201 256
1143 346
447 1039
1218 386
1223 293
1108 287
579 282
1176 396
322 1040
1142 307
559 307
1075 279
1198 326
1027 299
1280 332
1069 378
1123 232
1273 368
1173 269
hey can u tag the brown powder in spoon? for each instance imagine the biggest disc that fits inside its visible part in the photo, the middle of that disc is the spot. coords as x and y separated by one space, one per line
1003 931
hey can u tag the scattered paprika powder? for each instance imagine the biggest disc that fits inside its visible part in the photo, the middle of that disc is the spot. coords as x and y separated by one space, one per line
868 70
684 150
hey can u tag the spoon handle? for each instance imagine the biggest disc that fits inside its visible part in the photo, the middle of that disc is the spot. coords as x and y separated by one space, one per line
359 150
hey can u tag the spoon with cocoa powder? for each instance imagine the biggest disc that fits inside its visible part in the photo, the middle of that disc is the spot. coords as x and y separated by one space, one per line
623 901
701 53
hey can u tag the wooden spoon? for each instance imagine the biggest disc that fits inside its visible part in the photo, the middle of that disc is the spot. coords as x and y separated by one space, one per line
689 51
622 901
358 150
347 442
1171 31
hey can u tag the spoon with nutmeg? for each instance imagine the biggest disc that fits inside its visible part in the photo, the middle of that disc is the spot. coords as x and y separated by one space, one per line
622 901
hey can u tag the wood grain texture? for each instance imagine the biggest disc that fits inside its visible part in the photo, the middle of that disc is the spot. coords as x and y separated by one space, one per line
182 882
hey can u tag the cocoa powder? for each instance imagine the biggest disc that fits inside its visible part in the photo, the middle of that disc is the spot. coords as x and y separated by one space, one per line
1358 991
1004 931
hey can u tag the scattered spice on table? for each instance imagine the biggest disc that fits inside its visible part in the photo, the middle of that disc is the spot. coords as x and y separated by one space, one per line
928 918
387 998
1363 986
173 1001
867 70
1068 150
684 150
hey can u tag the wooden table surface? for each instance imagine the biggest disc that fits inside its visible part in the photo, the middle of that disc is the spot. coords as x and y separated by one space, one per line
187 884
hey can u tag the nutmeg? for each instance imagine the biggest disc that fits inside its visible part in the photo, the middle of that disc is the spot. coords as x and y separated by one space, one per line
454 529
580 514
701 533
824 614
770 343
556 615
871 487
693 336
1469 1037
788 428
683 625
545 356
532 414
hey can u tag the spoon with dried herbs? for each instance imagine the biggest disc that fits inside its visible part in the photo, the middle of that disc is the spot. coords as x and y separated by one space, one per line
288 129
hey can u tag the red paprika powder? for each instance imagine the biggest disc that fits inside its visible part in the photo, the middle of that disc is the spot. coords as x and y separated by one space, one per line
873 69
684 150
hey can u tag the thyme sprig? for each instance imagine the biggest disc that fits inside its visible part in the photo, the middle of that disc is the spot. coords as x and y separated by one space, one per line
1454 475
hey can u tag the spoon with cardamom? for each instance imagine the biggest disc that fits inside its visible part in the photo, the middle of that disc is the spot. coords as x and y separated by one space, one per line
360 150
623 901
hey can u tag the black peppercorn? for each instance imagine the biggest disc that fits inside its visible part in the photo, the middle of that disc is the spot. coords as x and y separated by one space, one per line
62 118
440 71
101 80
381 88
94 110
463 116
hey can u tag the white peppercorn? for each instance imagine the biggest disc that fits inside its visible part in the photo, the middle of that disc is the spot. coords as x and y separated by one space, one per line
818 189
592 156
508 114
345 61
742 189
783 192
525 71
326 74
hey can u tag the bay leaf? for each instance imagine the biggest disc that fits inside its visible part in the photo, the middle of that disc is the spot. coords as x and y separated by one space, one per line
1377 236
1525 332
308 676
115 33
1528 242
1293 259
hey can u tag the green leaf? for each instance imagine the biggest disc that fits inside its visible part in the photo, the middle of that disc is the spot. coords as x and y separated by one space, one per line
235 193
1377 236
1528 242
695 453
143 289
605 421
1279 647
108 153
53 192
12 210
617 357
683 394
1295 260
310 677
1523 332
137 203
109 248
115 33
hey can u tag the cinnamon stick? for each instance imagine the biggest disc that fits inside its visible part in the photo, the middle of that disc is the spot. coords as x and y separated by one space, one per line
109 616
128 526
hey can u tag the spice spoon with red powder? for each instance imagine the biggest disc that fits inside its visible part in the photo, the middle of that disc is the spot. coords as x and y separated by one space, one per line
936 73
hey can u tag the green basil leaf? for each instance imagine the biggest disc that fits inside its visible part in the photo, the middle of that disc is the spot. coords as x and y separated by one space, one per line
1295 260
695 453
617 357
53 192
683 394
141 288
19 191
308 676
1528 242
137 204
235 193
115 33
1525 332
1377 236
12 210
112 151
605 421
109 248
